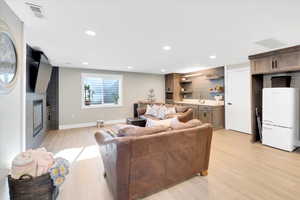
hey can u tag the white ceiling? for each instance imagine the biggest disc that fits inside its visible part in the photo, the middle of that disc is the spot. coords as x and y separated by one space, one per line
133 32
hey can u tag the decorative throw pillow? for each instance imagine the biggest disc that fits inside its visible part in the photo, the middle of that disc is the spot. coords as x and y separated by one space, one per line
165 122
190 124
149 110
152 110
162 112
171 110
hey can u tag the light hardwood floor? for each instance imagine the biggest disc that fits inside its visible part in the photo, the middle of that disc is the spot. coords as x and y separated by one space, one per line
238 170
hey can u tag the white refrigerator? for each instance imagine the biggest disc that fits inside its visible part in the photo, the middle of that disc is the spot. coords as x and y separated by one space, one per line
280 125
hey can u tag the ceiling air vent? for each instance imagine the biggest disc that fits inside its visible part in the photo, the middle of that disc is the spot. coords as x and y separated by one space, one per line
270 43
36 9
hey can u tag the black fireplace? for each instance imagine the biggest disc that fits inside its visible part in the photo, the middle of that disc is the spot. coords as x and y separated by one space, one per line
37 116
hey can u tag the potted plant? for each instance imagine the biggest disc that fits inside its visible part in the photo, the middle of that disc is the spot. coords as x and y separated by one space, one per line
116 98
87 95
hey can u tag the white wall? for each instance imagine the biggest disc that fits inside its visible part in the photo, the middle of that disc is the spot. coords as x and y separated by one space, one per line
244 116
12 105
135 87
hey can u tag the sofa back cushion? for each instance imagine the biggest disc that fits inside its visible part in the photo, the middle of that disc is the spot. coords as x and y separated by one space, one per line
190 124
140 131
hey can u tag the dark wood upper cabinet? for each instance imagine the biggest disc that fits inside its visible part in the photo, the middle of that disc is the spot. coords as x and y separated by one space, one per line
282 60
261 65
288 61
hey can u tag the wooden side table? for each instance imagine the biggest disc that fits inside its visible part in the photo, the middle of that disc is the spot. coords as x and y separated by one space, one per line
136 121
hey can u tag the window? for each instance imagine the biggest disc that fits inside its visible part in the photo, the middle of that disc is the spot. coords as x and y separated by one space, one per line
100 90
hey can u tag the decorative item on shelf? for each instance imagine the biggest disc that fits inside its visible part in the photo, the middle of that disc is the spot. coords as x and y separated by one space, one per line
151 96
183 79
88 94
182 89
217 90
116 98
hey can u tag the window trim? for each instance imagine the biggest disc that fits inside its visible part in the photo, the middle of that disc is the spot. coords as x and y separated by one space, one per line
105 76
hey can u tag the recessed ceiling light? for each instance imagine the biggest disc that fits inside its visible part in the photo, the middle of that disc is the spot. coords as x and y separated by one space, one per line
163 70
129 67
85 63
90 33
213 57
167 48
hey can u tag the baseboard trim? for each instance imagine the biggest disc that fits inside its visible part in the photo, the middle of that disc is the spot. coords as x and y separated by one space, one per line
89 124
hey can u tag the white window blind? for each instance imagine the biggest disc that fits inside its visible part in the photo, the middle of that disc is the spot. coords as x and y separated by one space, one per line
103 89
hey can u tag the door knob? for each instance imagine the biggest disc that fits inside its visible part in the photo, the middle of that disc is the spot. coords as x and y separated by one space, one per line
229 103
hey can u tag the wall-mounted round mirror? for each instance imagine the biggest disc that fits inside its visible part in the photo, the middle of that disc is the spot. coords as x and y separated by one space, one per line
8 62
8 59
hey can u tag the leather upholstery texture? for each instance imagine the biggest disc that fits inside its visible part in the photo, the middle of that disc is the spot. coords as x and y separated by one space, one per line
136 167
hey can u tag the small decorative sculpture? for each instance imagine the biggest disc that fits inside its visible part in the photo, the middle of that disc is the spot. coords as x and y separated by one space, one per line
151 96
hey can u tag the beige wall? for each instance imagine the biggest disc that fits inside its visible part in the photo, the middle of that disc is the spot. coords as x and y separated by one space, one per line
12 105
135 87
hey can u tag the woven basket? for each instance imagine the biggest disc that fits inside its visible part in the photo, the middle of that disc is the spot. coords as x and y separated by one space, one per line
29 188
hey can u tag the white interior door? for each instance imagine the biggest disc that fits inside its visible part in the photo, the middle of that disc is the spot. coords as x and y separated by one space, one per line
238 98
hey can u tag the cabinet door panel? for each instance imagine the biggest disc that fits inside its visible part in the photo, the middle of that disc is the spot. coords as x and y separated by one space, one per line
261 65
288 61
205 116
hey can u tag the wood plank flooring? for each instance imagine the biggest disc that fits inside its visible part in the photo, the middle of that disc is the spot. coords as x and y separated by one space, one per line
238 170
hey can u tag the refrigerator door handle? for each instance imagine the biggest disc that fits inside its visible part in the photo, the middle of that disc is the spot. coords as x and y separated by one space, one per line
268 121
266 127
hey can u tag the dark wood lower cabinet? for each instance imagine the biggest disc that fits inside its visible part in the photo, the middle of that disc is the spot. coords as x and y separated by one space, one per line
214 115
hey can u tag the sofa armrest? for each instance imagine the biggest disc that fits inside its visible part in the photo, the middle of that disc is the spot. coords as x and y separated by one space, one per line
186 116
115 154
102 138
141 111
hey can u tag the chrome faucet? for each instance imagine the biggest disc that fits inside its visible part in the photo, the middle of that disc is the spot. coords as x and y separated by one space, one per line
201 101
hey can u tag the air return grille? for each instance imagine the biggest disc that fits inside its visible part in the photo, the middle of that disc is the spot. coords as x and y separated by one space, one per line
36 9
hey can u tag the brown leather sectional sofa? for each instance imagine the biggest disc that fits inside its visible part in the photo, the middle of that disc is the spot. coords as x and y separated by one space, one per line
136 167
184 114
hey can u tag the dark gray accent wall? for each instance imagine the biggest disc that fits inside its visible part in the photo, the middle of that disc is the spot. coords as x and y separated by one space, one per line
34 141
53 100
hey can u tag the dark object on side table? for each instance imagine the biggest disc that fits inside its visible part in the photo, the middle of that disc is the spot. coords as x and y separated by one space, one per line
135 113
136 121
29 188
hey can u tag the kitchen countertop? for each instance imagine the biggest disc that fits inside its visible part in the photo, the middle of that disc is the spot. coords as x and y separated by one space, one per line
199 104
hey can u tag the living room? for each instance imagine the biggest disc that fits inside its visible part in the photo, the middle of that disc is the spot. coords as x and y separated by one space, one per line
149 100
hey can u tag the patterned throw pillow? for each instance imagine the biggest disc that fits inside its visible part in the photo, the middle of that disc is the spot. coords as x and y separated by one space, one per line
162 112
152 110
170 111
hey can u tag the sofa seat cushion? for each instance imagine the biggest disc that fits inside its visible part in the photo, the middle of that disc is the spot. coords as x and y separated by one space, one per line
149 117
190 124
140 131
165 122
